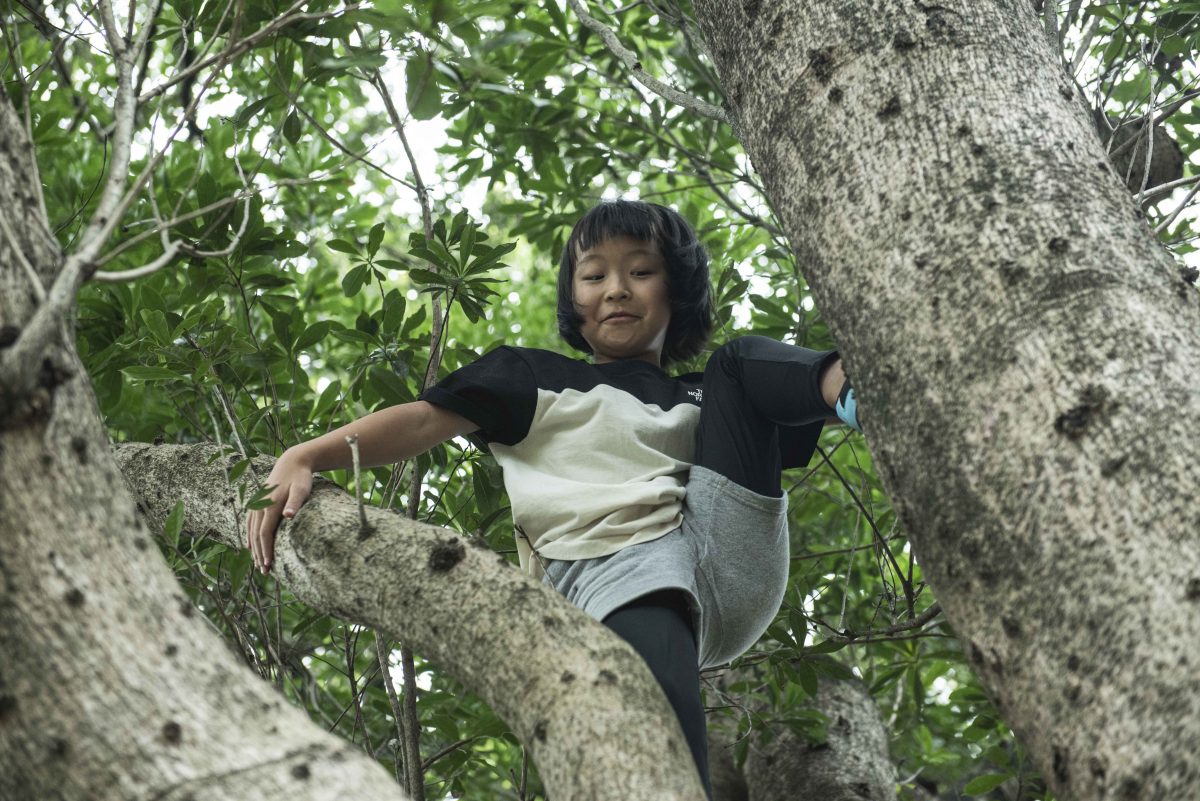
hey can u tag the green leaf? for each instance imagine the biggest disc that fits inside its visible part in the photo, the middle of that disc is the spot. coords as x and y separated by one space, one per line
291 128
354 280
174 523
986 783
313 334
808 678
421 91
374 240
342 246
250 110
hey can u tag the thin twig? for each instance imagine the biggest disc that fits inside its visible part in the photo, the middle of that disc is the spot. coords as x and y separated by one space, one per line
631 61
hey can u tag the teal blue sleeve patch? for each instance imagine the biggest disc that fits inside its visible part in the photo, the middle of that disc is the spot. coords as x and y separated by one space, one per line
847 408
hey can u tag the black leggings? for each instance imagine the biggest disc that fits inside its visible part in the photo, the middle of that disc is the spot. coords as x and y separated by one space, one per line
751 385
659 627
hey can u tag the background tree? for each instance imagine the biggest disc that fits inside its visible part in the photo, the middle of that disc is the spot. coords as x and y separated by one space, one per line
264 178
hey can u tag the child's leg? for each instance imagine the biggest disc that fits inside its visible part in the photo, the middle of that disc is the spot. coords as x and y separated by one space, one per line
751 385
659 627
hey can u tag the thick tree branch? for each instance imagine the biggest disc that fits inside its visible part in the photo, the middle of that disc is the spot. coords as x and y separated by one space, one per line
464 608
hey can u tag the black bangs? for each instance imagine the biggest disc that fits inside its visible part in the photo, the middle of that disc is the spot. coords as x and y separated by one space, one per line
611 220
687 271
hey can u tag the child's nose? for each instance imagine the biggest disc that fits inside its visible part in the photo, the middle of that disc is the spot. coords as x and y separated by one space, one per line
617 290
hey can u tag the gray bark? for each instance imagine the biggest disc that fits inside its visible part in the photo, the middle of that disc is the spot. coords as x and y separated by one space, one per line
1023 349
851 764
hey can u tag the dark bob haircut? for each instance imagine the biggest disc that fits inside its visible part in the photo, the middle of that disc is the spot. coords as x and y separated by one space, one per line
687 271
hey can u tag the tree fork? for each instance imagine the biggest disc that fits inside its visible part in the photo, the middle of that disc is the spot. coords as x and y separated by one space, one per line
1024 347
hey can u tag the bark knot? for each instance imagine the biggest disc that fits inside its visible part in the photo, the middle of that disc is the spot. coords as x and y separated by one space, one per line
445 555
820 61
1075 422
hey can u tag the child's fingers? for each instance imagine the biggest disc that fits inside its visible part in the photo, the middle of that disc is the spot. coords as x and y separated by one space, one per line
251 532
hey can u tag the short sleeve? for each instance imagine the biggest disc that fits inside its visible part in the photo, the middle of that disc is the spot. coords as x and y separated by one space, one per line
797 444
496 392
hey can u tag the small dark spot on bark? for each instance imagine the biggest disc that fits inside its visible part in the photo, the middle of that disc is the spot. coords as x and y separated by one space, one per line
919 263
445 555
1193 589
1075 421
835 95
861 789
158 440
567 677
1097 767
1130 789
185 608
977 149
903 41
75 597
1012 626
988 575
300 771
1073 662
1189 274
963 130
59 748
549 622
79 445
1013 272
906 215
140 543
776 29
606 677
637 65
969 549
8 707
1059 245
820 61
891 108
1111 466
1060 764
1066 92
8 335
171 649
539 730
172 732
1072 694
51 374
752 7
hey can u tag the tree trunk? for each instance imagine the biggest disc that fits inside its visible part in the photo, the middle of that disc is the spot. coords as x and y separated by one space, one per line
1023 349
111 685
852 764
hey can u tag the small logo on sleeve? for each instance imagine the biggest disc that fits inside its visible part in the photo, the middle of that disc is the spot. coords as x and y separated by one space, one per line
698 394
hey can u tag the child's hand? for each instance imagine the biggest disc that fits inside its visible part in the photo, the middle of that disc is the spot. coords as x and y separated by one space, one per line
292 481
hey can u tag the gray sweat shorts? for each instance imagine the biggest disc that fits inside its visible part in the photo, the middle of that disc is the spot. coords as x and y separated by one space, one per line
730 555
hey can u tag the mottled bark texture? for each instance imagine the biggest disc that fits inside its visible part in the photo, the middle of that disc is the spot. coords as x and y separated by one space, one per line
852 764
582 700
111 684
1023 349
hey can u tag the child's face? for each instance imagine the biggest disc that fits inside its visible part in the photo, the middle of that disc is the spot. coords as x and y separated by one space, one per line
628 277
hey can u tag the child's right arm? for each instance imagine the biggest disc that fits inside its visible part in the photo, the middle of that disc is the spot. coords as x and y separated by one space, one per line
384 437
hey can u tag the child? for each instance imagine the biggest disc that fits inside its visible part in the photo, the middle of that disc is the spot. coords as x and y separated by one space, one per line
651 502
